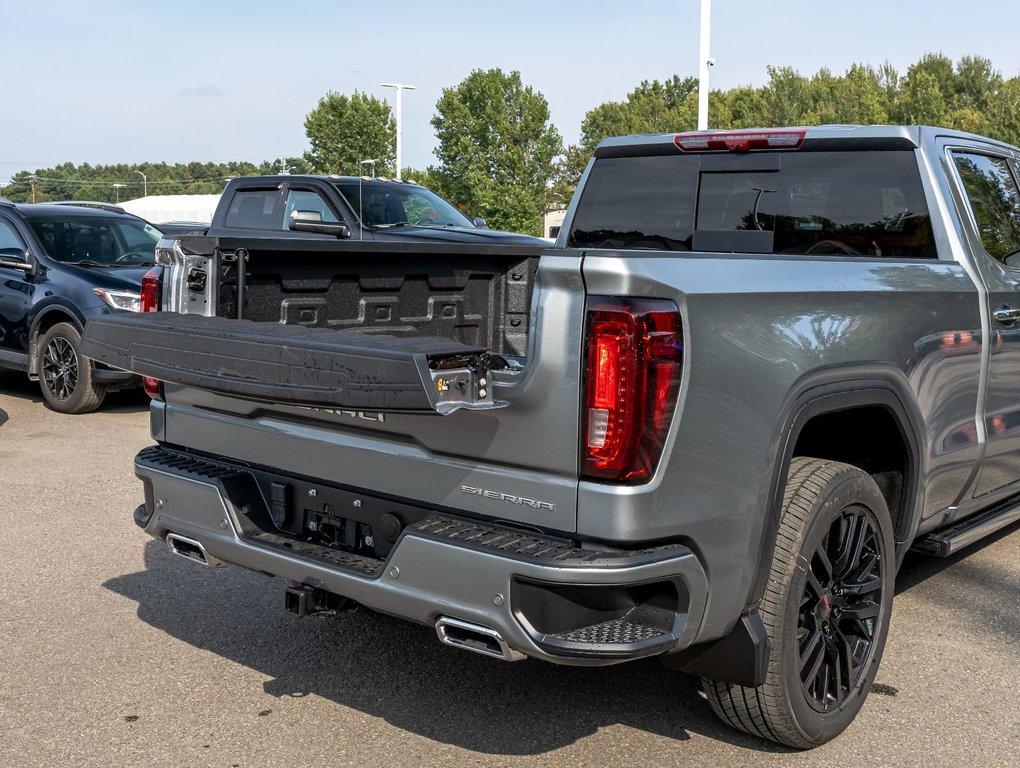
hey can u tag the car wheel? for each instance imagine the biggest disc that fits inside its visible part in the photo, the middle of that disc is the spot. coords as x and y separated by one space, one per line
826 609
65 377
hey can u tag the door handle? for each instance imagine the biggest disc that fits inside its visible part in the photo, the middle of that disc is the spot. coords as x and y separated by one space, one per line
1006 314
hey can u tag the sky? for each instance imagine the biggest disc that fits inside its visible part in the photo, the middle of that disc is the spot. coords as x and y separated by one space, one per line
218 80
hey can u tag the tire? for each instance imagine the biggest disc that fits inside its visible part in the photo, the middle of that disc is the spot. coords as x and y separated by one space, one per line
65 377
826 609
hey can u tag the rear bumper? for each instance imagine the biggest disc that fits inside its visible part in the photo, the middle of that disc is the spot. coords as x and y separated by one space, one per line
544 597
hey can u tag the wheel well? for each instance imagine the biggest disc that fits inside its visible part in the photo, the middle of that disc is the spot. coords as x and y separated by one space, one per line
44 323
868 437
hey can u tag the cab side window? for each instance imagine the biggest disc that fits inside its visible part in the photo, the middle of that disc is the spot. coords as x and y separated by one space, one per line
306 200
255 209
995 202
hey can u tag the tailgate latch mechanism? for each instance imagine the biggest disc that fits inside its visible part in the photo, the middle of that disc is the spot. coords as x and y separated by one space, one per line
463 381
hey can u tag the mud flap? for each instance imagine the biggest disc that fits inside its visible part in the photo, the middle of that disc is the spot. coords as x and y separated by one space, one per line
295 365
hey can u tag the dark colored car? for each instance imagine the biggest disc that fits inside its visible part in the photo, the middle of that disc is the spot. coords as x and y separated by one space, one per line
61 264
348 208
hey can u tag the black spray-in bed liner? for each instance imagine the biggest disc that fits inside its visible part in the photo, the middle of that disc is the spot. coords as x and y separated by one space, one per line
271 361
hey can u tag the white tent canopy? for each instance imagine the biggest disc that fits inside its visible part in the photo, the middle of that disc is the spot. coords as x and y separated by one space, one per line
163 208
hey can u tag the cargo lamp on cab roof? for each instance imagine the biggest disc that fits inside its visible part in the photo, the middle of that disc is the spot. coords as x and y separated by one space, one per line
738 141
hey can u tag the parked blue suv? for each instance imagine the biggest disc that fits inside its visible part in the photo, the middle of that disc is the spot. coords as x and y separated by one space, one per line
60 264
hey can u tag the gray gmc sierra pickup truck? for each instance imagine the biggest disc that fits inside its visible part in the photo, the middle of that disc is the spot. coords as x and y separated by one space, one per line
756 368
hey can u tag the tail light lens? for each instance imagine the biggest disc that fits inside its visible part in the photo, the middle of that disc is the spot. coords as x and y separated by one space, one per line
634 358
150 303
150 290
738 141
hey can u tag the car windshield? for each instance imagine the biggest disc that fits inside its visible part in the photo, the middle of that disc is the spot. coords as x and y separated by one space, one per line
389 204
103 240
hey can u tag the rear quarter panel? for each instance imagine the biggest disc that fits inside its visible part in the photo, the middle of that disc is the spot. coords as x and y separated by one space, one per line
756 330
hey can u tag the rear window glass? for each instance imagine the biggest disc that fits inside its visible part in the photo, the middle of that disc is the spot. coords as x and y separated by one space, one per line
824 203
255 209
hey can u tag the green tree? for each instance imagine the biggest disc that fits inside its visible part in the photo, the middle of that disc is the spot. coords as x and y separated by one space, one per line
787 96
1004 112
977 81
496 149
746 106
670 106
940 68
568 169
922 101
344 130
68 181
652 107
858 98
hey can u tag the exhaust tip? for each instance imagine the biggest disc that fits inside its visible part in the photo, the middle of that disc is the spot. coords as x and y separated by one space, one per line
476 638
192 550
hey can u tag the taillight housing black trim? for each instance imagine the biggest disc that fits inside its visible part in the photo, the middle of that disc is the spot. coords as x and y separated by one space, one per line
632 366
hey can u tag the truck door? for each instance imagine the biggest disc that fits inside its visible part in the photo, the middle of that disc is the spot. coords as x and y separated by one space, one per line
16 289
987 176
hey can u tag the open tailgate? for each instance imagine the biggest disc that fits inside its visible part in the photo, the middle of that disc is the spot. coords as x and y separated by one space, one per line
296 365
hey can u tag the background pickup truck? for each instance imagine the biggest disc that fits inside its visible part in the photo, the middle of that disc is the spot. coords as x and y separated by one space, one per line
349 208
756 368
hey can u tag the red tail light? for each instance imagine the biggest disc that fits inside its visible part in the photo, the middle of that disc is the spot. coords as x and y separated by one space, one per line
150 303
634 351
150 290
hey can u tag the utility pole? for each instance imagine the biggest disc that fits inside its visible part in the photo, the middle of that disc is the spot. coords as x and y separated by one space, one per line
117 188
398 87
145 184
706 62
32 180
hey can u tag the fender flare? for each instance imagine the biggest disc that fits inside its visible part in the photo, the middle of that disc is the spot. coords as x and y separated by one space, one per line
831 391
69 311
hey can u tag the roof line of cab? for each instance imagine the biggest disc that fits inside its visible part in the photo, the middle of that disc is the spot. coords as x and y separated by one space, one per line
814 137
280 178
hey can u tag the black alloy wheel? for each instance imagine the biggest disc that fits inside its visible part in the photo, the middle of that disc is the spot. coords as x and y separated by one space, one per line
825 609
60 368
65 377
839 609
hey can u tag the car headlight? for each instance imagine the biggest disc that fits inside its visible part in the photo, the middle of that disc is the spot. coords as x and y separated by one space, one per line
132 302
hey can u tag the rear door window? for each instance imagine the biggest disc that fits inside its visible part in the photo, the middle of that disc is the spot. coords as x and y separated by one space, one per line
811 203
995 203
255 209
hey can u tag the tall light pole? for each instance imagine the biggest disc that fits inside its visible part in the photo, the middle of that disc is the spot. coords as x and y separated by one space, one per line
706 62
398 87
118 188
145 184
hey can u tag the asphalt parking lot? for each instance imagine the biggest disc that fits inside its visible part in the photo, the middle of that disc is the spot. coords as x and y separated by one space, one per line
113 652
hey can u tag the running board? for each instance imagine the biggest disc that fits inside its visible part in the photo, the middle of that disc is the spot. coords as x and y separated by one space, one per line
947 541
